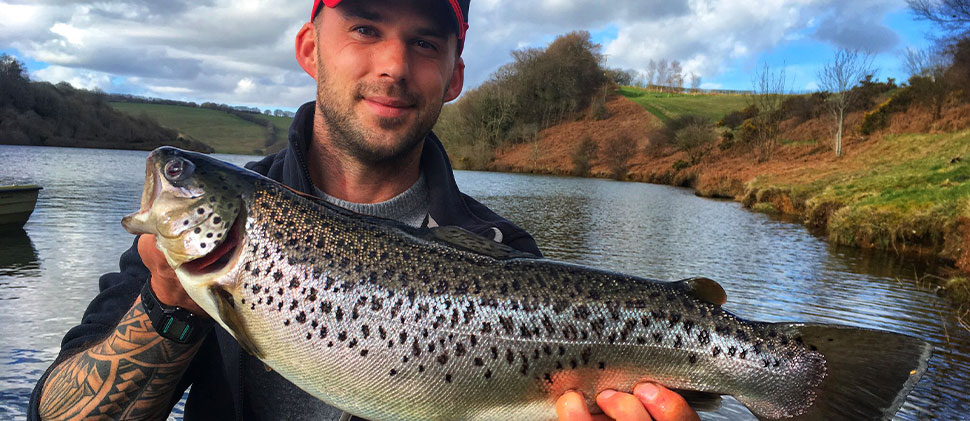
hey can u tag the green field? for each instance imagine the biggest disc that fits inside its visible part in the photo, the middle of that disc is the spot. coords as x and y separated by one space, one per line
223 131
671 105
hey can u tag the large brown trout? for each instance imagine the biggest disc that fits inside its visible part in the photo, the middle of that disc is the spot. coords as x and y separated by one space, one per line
389 322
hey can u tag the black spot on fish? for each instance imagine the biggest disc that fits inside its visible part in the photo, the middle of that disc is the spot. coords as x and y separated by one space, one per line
732 350
326 307
430 346
294 305
339 315
674 318
679 342
415 349
403 337
509 356
365 330
602 365
363 353
459 349
323 332
573 364
342 336
442 359
479 362
716 351
286 322
586 354
474 340
420 368
393 372
448 378
704 337
494 353
688 326
658 337
692 358
743 354
301 318
488 374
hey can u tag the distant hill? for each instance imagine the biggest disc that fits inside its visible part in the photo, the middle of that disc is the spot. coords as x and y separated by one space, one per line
43 114
225 132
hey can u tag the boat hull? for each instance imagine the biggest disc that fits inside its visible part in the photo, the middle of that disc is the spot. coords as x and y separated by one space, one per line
16 205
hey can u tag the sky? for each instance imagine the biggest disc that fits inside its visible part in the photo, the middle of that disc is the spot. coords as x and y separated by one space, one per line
240 52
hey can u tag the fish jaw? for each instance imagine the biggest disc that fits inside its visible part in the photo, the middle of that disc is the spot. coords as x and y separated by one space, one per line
189 216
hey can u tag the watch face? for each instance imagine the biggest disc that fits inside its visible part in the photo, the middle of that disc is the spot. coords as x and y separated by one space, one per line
175 329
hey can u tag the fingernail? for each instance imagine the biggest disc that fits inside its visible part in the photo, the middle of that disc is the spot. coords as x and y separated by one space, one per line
647 391
606 394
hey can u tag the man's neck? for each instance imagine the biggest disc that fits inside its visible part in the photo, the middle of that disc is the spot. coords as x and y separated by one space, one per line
345 177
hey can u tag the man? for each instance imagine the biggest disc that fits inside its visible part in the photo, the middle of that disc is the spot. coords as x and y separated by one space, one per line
384 68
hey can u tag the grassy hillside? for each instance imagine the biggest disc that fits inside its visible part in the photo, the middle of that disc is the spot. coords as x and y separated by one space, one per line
666 106
223 131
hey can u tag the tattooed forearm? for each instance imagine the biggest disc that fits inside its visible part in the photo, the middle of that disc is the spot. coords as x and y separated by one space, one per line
129 375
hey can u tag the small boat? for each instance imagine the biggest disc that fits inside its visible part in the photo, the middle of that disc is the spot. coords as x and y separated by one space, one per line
16 205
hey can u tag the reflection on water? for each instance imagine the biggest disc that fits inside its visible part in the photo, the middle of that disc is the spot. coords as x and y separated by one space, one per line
18 257
772 270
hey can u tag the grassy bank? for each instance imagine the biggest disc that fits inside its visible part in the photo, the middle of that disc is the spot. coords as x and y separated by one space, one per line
666 106
896 190
907 193
225 132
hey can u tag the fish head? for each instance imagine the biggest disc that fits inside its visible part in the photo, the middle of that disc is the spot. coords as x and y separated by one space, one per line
191 203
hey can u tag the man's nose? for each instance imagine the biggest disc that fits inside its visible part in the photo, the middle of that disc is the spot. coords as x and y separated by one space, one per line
391 60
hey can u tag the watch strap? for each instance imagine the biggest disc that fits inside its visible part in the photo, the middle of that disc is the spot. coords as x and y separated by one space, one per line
173 322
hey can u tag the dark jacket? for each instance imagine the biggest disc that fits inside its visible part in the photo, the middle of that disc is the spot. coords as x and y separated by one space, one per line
215 373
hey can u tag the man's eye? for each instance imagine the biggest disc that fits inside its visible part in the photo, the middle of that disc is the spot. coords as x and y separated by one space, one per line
365 31
426 44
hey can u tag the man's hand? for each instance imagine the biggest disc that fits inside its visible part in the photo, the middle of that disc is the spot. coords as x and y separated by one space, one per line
164 282
648 402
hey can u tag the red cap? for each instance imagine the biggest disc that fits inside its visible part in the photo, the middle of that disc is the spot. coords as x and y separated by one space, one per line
460 8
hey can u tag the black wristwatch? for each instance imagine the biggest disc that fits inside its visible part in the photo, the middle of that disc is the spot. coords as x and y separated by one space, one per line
173 322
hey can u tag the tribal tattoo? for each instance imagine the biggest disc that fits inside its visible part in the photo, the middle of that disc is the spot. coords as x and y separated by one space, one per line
130 375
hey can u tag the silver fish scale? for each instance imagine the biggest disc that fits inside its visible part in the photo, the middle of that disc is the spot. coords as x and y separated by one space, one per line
385 324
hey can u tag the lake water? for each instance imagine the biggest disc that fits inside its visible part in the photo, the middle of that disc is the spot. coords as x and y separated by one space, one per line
772 270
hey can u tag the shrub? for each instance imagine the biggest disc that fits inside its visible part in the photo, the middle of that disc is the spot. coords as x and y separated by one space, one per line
681 164
583 156
693 140
616 152
735 118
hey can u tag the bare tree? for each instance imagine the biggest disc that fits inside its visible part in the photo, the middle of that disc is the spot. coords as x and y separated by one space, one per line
663 72
676 77
695 82
651 72
951 15
838 77
769 90
928 77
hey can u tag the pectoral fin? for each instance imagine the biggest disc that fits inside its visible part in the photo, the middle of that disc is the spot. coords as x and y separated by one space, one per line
233 321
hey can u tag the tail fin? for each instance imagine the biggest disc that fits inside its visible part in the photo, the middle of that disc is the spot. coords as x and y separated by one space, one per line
868 372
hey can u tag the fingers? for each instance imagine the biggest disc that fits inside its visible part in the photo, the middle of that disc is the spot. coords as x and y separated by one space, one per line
572 407
165 283
664 404
622 406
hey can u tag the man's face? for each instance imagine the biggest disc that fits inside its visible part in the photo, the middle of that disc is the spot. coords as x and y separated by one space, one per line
384 70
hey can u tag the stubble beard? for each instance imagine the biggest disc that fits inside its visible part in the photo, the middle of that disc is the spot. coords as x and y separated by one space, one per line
350 137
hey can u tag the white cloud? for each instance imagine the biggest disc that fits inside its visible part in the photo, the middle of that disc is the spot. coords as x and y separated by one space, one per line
241 51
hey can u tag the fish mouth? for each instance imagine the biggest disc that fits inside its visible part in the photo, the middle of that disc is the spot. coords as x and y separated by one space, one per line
221 256
138 222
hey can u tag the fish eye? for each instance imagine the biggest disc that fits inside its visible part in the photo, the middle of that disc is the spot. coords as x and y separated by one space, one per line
177 169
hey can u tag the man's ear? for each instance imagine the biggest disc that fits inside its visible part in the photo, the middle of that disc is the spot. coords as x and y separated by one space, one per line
457 81
306 49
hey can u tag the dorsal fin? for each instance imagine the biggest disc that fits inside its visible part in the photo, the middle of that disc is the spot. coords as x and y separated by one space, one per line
469 241
703 288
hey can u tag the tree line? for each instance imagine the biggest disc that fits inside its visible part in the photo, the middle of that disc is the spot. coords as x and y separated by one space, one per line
45 114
